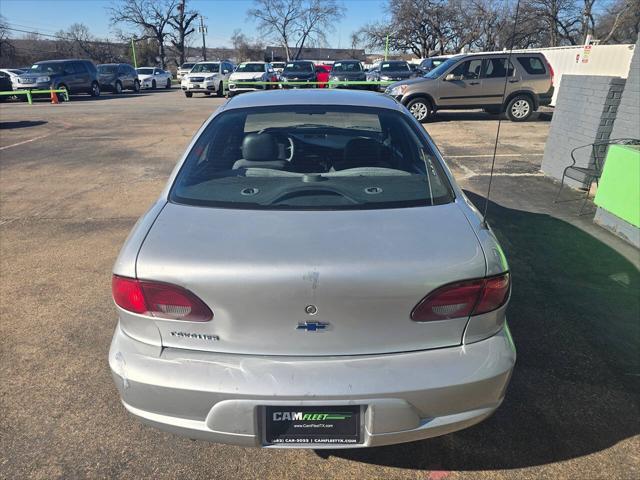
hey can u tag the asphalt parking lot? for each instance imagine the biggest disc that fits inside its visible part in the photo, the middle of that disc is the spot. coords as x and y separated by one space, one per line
75 177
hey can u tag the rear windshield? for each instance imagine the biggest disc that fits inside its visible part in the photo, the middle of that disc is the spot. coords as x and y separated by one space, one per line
394 67
145 71
206 68
299 67
347 67
532 65
311 158
250 67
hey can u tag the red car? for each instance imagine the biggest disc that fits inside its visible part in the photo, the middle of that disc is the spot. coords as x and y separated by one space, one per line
322 73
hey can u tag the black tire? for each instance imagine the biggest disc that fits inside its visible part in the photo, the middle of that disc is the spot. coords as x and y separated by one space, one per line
188 94
117 89
168 85
153 84
136 86
519 108
420 108
207 93
95 90
61 97
220 91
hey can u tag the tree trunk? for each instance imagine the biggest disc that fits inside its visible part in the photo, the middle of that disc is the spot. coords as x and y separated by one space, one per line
161 51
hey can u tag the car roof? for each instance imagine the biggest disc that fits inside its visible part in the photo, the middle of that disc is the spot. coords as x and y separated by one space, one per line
313 97
63 60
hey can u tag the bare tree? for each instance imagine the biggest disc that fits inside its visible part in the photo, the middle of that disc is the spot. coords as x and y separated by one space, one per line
296 22
150 16
77 41
245 48
620 23
181 23
7 50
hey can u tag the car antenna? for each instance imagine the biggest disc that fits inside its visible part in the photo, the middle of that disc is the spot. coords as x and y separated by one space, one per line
504 92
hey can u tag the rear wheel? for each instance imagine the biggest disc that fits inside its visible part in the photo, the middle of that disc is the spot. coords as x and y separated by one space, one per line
188 94
207 93
153 85
420 108
220 91
519 108
168 84
117 88
136 86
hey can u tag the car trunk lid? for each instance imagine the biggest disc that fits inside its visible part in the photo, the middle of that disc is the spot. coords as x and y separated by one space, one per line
310 282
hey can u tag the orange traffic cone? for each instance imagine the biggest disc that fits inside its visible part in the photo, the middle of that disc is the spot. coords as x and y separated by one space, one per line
54 97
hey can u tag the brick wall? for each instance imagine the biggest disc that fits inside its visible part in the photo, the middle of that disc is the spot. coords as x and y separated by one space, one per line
627 122
585 112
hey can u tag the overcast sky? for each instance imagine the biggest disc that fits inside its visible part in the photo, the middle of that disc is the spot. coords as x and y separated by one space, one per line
223 17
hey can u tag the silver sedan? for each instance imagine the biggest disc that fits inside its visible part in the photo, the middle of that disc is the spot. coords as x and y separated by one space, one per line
311 276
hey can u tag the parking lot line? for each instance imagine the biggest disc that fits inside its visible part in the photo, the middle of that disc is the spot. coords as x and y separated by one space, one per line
25 141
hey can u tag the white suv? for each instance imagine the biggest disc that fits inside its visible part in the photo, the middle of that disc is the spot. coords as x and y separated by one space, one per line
207 77
184 69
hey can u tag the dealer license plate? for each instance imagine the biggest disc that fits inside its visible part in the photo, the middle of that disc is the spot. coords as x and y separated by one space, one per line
316 425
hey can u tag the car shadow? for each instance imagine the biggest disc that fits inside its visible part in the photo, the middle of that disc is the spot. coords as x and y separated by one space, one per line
21 124
464 115
574 319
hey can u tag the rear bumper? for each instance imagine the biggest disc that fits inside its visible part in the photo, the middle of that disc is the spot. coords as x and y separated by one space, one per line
219 397
545 98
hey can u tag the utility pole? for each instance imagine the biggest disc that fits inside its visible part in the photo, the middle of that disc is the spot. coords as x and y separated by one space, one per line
133 51
202 29
386 48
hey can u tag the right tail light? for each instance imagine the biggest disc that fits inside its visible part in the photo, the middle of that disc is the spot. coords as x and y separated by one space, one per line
463 299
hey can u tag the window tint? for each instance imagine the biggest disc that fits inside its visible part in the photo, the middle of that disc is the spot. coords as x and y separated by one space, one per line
469 70
532 65
496 68
145 71
311 157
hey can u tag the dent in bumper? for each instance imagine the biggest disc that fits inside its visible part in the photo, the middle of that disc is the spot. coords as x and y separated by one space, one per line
218 397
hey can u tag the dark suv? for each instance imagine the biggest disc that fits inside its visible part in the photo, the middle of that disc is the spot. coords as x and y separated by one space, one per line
479 81
299 71
76 76
117 77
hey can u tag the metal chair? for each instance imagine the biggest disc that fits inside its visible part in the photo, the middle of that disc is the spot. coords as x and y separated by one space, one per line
593 172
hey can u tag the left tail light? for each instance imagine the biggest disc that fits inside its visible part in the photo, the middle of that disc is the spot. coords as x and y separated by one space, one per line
463 299
157 299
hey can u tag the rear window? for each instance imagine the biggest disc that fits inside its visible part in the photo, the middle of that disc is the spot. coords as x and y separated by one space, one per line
311 157
107 68
532 65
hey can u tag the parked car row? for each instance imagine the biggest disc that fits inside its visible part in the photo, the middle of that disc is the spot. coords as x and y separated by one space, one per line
78 76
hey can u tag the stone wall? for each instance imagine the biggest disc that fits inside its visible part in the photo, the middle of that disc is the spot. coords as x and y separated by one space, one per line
585 112
627 123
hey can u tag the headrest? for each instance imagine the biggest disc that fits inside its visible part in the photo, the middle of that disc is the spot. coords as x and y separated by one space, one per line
259 147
